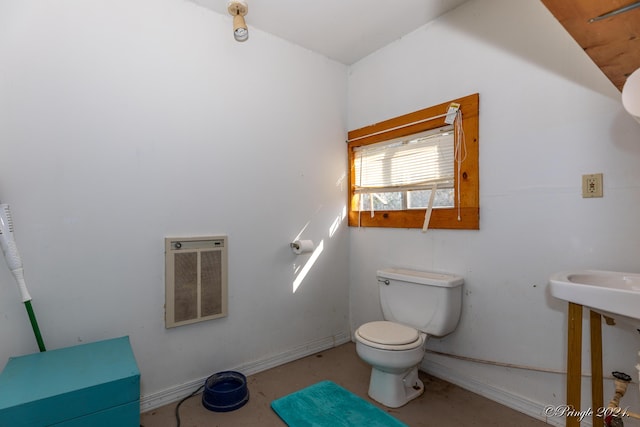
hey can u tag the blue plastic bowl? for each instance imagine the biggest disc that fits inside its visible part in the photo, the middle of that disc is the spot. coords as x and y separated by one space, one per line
225 391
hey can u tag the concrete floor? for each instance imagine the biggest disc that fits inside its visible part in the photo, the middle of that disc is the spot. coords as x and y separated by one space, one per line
442 404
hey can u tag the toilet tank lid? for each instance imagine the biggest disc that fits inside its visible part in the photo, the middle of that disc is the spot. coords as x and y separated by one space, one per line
422 277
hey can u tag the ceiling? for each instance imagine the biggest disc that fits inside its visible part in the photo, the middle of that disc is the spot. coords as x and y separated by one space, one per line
346 31
612 43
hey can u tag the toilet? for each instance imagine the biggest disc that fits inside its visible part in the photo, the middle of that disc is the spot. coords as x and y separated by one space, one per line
415 305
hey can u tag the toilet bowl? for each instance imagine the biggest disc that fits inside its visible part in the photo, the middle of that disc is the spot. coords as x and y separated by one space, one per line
394 351
415 305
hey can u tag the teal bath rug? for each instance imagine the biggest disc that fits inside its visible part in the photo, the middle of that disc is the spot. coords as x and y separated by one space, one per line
326 404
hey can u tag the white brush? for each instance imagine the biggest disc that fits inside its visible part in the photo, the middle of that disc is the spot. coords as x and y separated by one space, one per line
14 261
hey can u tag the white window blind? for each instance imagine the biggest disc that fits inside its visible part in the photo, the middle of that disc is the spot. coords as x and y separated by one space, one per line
416 162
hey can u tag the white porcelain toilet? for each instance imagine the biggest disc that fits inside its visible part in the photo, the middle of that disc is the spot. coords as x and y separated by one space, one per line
415 305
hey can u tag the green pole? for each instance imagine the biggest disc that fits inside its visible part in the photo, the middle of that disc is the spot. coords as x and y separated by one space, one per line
34 325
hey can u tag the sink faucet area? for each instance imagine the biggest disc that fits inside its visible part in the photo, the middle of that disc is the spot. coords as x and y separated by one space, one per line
610 293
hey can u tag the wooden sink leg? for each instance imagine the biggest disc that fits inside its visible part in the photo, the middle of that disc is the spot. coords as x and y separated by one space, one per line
597 397
574 362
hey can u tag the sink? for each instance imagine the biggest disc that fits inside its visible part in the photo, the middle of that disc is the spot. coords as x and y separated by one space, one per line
611 293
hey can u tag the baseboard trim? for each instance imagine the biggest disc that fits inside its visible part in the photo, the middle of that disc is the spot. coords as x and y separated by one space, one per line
173 394
533 409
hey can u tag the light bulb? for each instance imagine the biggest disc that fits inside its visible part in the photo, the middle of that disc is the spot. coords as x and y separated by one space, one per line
241 34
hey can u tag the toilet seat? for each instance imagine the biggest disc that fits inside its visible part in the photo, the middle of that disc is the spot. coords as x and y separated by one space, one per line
389 336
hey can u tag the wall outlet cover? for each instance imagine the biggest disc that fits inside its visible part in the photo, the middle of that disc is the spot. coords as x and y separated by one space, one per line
592 185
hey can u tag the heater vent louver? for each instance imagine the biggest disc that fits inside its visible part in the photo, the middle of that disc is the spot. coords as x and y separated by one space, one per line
195 279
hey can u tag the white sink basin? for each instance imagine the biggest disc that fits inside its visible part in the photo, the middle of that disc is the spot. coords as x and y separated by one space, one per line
613 294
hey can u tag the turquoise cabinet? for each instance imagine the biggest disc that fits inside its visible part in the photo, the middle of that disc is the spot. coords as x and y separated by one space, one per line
95 384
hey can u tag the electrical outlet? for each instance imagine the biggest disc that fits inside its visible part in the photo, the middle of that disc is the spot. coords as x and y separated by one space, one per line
592 185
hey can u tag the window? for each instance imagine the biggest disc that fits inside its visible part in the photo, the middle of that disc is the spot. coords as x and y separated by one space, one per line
395 165
400 174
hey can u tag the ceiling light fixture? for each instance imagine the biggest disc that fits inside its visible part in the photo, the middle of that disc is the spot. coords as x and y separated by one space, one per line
238 9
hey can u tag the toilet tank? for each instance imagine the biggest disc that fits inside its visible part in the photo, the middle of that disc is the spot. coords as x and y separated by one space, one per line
430 302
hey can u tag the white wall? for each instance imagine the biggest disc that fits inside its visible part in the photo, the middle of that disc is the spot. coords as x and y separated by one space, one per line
547 116
122 122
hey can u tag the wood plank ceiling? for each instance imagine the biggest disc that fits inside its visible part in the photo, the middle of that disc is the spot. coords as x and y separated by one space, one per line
613 43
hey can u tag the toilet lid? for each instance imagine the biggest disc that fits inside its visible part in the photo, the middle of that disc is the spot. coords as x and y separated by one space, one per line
389 333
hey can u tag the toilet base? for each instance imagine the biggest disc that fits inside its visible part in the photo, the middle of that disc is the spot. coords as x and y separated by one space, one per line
395 389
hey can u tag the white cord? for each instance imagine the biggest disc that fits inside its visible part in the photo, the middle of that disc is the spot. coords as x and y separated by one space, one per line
460 153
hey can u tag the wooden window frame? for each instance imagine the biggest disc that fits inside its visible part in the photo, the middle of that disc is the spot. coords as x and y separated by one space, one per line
409 124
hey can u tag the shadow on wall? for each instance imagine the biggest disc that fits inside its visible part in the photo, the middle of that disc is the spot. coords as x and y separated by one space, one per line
626 141
497 21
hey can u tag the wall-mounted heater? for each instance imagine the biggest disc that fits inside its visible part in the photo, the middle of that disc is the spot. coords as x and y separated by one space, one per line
195 279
